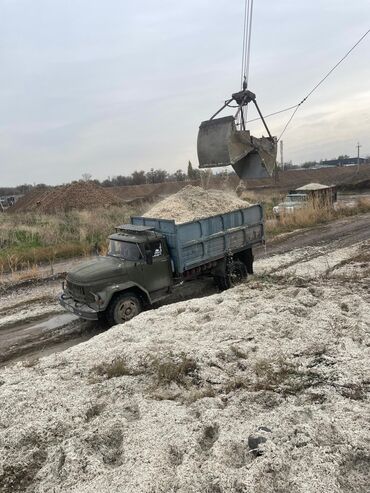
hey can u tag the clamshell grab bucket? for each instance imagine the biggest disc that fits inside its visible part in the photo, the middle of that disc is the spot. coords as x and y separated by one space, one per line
221 144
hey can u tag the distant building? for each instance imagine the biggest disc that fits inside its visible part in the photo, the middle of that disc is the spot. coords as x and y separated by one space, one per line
343 162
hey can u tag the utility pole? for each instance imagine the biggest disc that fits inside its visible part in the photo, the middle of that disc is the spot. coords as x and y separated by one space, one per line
281 155
358 157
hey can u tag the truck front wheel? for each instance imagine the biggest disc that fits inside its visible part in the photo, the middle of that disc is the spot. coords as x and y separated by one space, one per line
123 308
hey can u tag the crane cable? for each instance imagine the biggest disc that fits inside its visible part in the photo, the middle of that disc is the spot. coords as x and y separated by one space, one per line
246 9
246 51
246 54
319 83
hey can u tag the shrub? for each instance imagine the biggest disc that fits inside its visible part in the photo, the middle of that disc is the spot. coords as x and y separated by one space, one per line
181 370
116 368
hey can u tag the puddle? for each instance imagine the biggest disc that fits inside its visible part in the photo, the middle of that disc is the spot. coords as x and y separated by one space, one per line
44 336
56 322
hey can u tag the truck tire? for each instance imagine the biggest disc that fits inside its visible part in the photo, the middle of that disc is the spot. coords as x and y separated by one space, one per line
237 271
123 307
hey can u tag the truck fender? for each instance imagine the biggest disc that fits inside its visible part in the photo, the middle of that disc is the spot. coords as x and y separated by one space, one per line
125 286
220 268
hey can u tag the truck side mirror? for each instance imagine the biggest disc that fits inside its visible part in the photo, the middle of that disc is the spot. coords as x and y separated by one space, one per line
149 257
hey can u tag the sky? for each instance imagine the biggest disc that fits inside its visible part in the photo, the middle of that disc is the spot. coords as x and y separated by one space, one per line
109 87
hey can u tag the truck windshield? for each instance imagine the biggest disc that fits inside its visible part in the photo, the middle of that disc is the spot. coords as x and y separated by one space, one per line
124 249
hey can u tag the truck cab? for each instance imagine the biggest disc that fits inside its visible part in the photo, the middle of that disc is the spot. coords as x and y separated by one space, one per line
137 262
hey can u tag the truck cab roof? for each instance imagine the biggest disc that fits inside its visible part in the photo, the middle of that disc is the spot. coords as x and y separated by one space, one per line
135 233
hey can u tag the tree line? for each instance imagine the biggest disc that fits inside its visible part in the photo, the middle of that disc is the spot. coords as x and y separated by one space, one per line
136 178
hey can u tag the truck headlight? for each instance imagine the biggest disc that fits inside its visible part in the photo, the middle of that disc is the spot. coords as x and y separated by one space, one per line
98 299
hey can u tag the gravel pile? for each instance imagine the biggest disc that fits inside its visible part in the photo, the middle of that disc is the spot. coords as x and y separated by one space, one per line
192 203
260 388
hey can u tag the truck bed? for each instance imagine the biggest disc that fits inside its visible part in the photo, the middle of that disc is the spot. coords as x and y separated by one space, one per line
198 242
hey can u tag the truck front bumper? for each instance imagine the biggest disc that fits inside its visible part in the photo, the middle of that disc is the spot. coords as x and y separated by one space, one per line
80 309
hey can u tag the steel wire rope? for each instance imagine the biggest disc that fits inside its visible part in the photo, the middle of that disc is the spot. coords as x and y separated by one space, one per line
248 55
246 51
272 114
321 81
246 9
317 85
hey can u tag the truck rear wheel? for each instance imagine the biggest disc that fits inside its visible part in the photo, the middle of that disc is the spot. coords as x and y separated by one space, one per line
123 307
237 271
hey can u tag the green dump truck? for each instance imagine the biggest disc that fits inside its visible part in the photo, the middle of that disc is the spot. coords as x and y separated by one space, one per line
147 258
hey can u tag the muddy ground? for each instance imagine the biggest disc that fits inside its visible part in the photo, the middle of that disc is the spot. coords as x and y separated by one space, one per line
32 324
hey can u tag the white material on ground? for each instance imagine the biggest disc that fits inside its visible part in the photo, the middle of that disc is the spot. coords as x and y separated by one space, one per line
288 357
31 303
194 203
309 262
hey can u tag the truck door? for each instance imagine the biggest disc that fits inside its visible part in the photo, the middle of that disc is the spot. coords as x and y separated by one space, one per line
158 275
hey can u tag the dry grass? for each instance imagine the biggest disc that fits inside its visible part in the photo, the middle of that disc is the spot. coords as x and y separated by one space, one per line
27 240
274 375
116 368
238 353
313 215
181 370
94 410
30 363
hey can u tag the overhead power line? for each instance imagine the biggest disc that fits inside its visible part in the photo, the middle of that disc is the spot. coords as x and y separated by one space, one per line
296 106
321 81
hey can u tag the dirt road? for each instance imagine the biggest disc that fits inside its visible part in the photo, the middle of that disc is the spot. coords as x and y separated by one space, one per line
340 233
32 324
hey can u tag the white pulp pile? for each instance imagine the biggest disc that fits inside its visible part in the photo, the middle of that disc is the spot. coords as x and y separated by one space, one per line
287 354
194 203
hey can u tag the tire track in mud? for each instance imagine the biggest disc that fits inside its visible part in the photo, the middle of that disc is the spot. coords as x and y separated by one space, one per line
44 336
12 309
33 324
304 258
332 236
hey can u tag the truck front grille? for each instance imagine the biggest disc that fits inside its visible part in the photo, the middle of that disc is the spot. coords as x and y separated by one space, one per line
79 293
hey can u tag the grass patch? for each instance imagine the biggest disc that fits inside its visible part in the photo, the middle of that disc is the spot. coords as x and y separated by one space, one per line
238 353
94 411
116 368
180 370
30 363
277 376
30 239
21 258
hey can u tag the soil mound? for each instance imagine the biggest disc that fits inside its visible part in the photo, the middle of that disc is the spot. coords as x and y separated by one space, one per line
194 203
30 200
77 195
